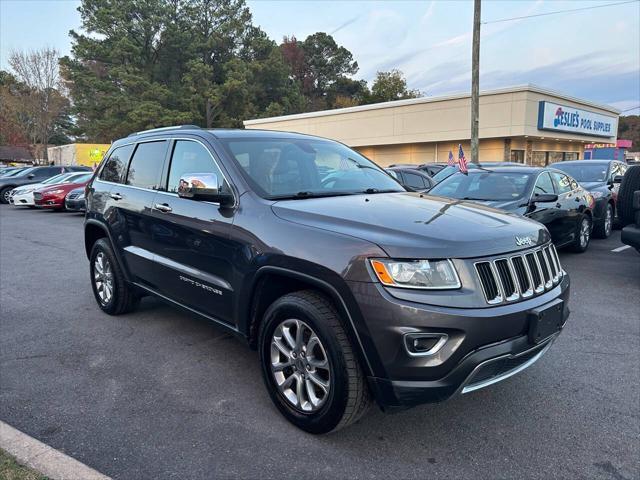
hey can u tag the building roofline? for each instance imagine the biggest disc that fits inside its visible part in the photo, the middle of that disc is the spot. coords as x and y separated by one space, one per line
421 100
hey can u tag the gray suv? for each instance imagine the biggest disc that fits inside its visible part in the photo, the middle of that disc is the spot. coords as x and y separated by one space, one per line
349 287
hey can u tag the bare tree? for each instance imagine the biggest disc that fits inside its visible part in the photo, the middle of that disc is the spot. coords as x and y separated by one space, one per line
38 70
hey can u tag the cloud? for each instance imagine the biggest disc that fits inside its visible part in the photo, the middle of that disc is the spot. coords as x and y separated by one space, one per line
428 14
586 76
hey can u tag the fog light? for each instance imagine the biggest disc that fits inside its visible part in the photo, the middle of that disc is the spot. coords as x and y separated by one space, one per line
424 344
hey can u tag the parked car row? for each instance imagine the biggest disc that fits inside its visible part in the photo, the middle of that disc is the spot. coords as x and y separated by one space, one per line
45 187
572 199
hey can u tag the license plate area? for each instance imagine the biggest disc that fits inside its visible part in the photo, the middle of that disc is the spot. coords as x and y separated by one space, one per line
545 321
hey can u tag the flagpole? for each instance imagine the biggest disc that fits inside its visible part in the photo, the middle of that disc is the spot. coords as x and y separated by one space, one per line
475 82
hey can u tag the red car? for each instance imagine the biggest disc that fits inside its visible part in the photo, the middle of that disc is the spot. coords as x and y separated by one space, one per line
53 196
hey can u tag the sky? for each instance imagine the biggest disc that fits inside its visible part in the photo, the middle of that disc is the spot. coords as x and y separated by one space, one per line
593 53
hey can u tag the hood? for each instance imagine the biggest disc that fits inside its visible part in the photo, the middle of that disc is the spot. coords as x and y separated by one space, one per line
407 225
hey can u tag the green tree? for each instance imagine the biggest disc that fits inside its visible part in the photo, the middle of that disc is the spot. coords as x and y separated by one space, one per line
629 129
389 86
151 63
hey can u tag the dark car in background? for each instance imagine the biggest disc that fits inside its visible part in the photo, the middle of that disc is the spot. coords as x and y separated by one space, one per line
349 286
75 200
429 168
411 178
602 178
53 197
546 195
33 175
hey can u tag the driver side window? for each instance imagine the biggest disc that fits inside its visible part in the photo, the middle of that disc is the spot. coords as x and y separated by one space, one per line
544 185
190 157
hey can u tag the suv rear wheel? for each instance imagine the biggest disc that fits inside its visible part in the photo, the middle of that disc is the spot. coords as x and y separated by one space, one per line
113 294
308 365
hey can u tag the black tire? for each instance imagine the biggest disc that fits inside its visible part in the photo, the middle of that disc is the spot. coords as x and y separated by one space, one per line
578 245
604 229
124 298
4 194
630 183
348 397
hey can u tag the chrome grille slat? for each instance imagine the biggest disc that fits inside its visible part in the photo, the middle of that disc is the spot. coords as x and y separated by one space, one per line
519 276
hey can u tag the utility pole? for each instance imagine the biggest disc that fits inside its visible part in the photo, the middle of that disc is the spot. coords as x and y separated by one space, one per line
475 82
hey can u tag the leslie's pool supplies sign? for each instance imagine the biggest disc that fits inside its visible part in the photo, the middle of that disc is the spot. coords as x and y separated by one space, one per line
562 118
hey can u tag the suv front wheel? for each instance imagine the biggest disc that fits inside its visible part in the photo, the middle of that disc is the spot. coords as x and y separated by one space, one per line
308 365
113 294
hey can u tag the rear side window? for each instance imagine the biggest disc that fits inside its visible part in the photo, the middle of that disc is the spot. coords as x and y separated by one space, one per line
190 157
114 168
563 181
413 180
145 169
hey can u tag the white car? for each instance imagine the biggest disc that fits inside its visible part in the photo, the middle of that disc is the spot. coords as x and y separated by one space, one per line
23 196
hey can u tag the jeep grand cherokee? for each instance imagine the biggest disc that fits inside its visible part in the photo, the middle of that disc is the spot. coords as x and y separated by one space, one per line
350 287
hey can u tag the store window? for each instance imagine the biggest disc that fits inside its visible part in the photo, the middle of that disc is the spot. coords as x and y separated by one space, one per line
539 159
571 156
517 156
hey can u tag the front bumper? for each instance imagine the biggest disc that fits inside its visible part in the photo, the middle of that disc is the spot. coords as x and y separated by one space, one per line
50 202
75 204
484 345
25 199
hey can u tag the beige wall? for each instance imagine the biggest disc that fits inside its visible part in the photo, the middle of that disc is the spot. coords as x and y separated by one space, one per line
504 113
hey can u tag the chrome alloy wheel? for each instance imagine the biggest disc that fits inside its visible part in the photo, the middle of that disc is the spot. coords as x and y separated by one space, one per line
300 365
103 277
585 232
608 221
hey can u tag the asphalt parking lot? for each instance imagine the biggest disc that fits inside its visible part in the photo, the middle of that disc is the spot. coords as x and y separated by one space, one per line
160 394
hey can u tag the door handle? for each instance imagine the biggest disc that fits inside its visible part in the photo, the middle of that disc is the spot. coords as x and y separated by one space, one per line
163 207
116 196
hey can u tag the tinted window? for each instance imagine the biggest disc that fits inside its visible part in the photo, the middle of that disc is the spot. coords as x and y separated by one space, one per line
585 171
543 185
46 172
563 182
481 185
145 168
413 180
114 167
190 157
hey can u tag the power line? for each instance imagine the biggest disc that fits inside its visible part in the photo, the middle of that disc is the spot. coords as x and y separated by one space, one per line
629 109
558 12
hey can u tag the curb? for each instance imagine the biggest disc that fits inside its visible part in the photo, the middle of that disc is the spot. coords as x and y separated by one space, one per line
41 457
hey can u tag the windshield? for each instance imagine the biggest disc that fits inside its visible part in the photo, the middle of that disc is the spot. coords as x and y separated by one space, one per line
84 177
17 173
585 172
57 179
306 168
480 185
444 173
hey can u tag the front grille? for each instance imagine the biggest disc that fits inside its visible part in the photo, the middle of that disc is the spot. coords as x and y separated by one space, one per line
73 195
519 276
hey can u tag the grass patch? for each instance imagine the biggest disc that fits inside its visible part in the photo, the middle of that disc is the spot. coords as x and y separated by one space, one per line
12 470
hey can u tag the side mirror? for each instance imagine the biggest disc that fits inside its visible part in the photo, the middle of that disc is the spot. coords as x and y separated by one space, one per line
618 179
544 198
203 186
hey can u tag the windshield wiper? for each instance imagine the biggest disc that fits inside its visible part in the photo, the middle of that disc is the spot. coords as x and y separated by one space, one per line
375 190
307 194
480 199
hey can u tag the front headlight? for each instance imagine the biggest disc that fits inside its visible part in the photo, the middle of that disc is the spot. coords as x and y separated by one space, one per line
55 192
423 274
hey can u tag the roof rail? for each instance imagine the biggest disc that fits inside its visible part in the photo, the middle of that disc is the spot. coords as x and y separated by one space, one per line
162 129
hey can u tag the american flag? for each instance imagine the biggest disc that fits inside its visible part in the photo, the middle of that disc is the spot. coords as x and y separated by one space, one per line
451 162
462 161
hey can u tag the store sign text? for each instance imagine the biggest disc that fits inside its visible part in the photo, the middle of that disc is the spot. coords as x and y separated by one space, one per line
562 118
